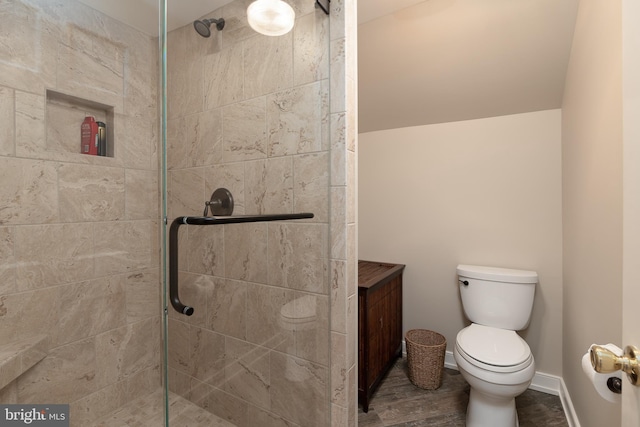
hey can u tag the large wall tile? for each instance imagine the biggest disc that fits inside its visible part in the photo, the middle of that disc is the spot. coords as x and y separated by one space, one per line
339 369
244 131
207 358
7 124
209 136
338 283
89 308
30 120
29 191
140 94
338 227
78 73
294 120
297 256
312 334
268 64
123 352
122 247
226 66
7 261
337 79
237 28
141 194
91 193
303 7
228 407
142 290
184 96
300 394
311 185
195 140
205 251
265 326
88 409
227 308
65 375
310 48
269 186
135 141
50 255
247 372
186 192
28 45
28 313
245 246
179 355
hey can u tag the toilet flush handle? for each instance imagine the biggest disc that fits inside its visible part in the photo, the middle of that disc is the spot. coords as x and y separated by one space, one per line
605 361
464 282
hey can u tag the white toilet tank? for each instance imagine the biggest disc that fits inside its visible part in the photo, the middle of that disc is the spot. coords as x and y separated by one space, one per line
497 297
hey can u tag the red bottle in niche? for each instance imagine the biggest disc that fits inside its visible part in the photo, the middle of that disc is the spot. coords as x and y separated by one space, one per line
89 136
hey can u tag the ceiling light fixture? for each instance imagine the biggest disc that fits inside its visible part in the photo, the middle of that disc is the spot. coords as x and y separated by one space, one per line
271 17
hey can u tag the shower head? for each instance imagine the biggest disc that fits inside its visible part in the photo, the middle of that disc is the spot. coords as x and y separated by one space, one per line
202 27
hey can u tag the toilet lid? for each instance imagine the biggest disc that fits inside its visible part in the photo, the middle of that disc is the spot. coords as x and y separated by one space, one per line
493 346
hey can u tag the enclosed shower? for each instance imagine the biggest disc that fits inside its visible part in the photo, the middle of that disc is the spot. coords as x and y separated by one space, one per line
121 301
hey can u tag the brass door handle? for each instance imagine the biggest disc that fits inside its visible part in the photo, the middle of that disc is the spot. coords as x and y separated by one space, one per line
605 361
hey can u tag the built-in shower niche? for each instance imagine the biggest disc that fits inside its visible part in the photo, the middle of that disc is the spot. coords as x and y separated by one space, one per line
64 116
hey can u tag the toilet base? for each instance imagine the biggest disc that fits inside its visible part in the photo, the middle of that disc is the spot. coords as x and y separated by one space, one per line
487 411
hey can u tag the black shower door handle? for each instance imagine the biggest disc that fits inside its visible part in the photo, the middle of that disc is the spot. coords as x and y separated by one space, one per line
214 220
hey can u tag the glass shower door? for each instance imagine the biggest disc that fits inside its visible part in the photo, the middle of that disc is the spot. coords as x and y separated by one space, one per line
250 113
80 318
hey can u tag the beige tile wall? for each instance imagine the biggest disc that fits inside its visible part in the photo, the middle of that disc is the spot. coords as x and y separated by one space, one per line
343 240
266 128
78 234
67 252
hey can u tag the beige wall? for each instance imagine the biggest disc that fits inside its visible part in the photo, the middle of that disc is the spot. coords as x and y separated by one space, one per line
78 234
483 192
592 200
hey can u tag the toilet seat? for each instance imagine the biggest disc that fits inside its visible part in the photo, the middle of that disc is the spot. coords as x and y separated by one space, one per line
493 349
300 310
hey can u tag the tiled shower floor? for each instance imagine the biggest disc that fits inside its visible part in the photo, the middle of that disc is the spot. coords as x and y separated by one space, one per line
148 411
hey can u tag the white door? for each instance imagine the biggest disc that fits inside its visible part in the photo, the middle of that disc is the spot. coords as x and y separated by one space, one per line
631 199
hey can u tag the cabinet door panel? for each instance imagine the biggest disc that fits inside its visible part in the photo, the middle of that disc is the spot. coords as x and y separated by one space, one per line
377 354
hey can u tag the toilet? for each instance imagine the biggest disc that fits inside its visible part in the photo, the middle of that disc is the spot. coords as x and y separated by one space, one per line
297 316
495 361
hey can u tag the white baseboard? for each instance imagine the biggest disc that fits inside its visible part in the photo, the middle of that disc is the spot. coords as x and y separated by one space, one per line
542 382
567 405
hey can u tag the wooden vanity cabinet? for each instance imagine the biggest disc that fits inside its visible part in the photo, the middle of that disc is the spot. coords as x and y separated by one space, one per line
379 324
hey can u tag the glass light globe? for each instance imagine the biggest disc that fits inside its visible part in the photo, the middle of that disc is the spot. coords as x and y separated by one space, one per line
271 17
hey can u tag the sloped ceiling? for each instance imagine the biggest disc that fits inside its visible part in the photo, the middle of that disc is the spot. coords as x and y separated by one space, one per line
448 60
431 61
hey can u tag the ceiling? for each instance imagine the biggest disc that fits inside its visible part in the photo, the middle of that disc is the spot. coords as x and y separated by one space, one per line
449 60
143 14
431 61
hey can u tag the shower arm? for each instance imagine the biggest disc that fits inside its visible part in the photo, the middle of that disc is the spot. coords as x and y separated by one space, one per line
211 220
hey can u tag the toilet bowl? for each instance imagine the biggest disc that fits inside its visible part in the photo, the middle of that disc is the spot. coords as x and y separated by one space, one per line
498 367
297 316
495 361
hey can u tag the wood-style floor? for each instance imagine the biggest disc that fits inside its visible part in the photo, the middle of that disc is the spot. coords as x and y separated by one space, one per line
398 403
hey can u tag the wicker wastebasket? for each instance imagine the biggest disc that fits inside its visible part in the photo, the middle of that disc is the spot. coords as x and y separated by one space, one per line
425 357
